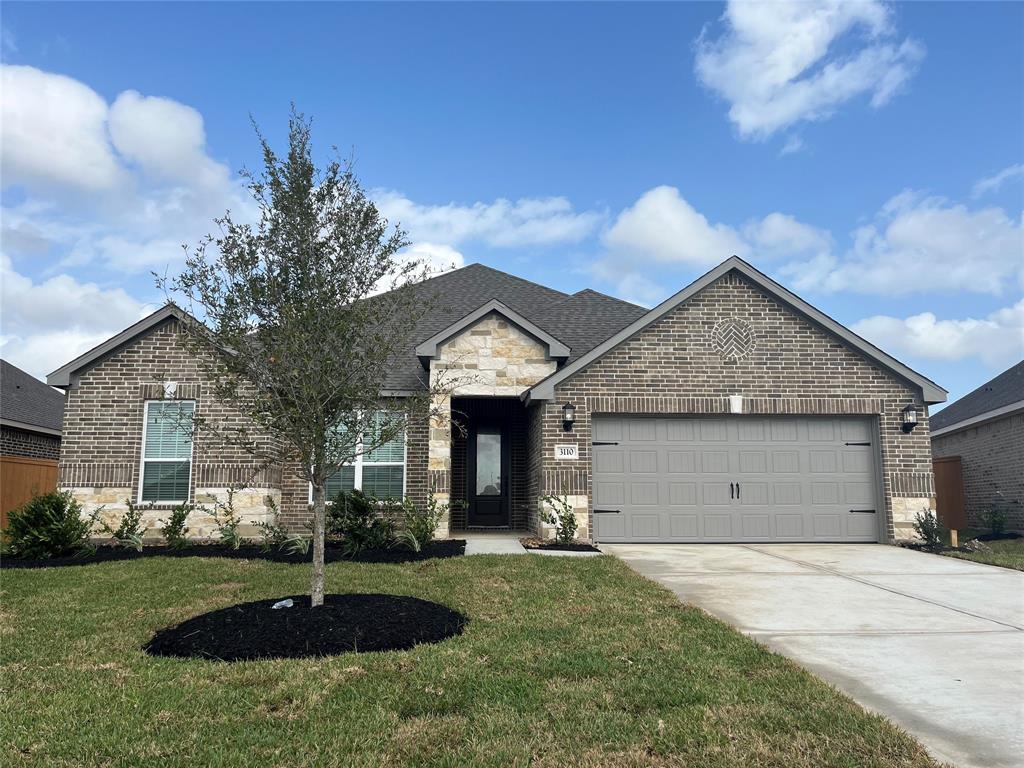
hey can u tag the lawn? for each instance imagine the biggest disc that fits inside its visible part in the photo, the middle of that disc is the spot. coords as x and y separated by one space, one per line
1008 553
565 661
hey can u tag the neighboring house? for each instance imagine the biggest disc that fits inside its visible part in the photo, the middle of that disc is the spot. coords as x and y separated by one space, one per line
732 411
30 427
986 430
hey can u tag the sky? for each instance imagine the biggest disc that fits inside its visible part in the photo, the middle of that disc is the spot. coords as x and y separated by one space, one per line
869 156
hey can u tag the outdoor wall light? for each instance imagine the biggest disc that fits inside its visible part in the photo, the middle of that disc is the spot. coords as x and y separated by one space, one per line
568 416
909 418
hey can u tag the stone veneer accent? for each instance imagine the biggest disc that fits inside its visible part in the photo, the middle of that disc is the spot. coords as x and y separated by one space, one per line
793 367
491 358
992 458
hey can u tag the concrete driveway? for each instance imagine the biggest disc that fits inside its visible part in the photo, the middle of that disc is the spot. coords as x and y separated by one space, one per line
935 644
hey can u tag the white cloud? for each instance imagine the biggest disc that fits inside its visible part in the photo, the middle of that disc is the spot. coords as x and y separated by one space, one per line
993 183
781 63
793 145
918 244
54 133
997 340
779 234
662 226
46 324
503 223
120 186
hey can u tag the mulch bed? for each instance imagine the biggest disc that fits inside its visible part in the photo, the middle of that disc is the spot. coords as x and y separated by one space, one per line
999 537
443 548
576 546
357 623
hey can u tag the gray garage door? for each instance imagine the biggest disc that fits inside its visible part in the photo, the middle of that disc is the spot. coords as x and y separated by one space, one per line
780 478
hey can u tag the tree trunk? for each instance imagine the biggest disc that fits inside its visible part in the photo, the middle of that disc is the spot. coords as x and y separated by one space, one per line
316 591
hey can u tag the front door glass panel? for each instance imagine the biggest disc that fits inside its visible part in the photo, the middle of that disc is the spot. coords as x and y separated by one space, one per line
488 462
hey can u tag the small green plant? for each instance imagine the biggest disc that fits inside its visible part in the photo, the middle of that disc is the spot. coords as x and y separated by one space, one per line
48 525
296 545
174 530
227 522
994 518
273 535
129 531
357 519
420 523
928 527
557 511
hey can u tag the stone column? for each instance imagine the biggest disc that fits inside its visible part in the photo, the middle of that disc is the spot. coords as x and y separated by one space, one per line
439 462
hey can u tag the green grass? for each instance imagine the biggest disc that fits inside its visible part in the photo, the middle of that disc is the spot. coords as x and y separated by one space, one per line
565 661
1008 553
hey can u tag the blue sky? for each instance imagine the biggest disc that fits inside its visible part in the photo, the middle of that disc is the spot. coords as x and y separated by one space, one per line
869 156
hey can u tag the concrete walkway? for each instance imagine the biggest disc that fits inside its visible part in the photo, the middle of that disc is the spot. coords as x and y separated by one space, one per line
496 543
933 643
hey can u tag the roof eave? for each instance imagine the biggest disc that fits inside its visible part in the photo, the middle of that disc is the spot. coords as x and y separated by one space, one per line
981 418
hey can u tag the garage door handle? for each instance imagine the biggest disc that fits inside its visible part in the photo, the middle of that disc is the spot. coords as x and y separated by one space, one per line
737 490
607 511
862 511
856 443
604 443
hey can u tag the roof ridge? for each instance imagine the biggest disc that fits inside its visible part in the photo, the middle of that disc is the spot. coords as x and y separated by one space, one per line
479 265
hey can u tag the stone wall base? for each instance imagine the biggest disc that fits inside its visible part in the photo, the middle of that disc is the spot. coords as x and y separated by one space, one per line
252 506
904 512
581 509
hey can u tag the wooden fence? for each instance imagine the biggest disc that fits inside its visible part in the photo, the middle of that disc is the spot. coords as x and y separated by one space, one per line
21 478
949 492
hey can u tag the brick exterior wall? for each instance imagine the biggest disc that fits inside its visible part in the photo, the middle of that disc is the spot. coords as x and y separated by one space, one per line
103 419
992 458
673 367
19 442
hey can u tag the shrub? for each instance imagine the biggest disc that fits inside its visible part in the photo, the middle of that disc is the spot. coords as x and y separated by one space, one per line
48 525
227 522
272 533
174 530
357 519
994 518
928 527
559 513
421 523
128 533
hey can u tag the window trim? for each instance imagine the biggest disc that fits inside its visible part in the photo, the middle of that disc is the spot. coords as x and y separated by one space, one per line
143 460
357 465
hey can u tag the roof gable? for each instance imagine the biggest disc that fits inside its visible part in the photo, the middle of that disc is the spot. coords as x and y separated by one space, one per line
62 376
931 392
428 348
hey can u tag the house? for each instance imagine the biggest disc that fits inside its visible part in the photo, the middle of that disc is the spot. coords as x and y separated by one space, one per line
30 428
986 430
732 411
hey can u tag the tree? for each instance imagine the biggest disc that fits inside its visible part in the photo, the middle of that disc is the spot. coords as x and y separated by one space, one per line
300 317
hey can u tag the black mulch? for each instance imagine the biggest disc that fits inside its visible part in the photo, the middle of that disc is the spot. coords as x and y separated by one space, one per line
576 546
998 536
345 623
399 554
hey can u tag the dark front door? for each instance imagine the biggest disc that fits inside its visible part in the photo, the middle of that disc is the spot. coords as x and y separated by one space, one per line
488 476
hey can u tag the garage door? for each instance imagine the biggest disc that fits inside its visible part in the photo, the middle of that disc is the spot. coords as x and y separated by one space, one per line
783 478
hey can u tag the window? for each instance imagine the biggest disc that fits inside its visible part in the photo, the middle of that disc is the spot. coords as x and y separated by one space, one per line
380 472
166 451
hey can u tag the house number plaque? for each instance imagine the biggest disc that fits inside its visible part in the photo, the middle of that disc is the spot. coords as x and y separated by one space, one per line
567 452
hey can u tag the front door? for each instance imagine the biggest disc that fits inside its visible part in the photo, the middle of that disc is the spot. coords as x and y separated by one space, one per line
488 476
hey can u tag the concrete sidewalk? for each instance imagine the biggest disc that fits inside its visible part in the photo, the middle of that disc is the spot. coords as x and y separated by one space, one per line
934 643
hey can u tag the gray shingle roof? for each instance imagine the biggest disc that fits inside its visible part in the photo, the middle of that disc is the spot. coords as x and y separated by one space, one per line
580 321
1004 389
26 400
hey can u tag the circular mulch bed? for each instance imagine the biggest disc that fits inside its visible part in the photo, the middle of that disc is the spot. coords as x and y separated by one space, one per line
344 624
442 548
576 546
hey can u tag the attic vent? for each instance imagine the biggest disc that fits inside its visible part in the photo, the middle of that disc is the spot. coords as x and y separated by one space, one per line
733 338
